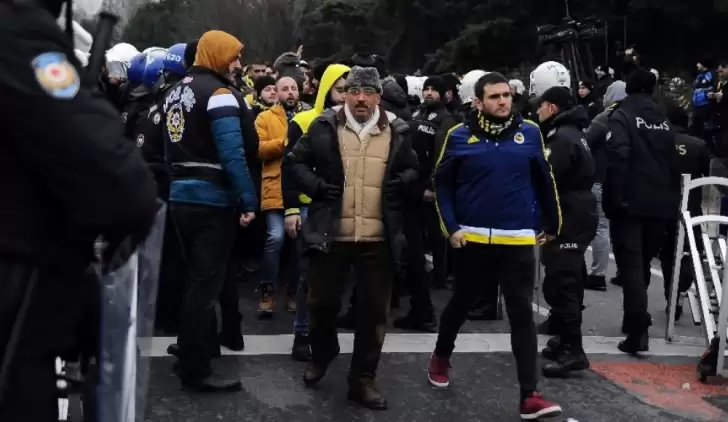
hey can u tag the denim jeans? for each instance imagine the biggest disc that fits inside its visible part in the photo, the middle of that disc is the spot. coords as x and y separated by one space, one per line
300 322
274 240
600 244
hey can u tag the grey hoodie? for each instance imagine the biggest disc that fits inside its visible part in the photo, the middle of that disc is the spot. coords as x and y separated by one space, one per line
615 92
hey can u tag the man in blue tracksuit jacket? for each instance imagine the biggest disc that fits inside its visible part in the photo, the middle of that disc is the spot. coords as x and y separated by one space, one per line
491 170
210 194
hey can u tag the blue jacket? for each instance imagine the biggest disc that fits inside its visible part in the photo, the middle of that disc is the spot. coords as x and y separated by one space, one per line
703 85
487 186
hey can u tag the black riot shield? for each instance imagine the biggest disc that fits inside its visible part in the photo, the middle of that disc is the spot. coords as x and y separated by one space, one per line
129 293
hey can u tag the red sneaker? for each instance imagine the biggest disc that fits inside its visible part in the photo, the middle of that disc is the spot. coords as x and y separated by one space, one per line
536 407
438 373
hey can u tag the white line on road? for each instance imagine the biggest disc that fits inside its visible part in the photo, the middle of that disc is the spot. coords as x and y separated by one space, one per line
264 345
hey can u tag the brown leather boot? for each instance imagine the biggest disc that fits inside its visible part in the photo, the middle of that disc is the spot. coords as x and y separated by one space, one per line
366 394
314 373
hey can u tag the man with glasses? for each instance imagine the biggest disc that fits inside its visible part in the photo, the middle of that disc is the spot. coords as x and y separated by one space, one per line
356 163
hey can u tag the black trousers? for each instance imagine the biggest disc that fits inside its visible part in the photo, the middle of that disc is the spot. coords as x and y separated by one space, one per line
374 276
512 268
207 235
62 320
416 276
667 258
171 280
635 242
563 288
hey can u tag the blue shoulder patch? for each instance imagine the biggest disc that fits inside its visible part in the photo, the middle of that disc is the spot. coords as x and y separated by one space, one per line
56 75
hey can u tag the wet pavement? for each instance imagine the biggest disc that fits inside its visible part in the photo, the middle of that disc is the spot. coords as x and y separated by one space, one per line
660 387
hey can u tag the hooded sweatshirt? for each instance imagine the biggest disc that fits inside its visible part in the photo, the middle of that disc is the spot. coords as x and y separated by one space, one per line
598 131
299 126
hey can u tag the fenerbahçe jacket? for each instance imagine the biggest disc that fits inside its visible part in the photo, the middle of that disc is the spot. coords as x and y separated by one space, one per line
487 186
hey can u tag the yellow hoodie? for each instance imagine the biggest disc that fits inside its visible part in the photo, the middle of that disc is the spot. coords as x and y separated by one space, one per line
300 123
332 74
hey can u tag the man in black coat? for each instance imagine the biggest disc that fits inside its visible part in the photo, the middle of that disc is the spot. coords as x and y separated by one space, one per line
562 123
356 162
641 195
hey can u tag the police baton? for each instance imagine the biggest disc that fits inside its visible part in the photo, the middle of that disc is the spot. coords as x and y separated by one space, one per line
102 41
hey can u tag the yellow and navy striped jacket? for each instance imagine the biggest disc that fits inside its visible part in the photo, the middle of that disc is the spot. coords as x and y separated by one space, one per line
488 186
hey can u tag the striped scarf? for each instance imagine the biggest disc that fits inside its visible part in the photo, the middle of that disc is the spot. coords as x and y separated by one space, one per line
492 128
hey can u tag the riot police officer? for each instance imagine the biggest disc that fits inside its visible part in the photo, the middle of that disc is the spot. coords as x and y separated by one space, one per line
72 177
641 195
563 124
430 124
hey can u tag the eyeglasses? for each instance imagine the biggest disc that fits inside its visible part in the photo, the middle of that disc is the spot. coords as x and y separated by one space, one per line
358 90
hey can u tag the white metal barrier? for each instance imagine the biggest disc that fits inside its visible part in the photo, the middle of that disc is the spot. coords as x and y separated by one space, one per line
706 295
712 296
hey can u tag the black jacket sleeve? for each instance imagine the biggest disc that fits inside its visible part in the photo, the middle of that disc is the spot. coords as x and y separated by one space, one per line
447 123
596 134
299 165
73 142
291 201
618 151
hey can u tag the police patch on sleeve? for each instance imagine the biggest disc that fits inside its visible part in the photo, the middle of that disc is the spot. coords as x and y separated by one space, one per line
56 75
157 118
140 140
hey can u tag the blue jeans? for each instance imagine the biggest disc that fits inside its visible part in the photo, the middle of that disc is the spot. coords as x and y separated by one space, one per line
300 322
274 240
600 244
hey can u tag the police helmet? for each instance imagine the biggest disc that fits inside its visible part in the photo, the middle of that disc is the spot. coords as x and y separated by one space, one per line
466 91
548 75
153 68
135 72
174 60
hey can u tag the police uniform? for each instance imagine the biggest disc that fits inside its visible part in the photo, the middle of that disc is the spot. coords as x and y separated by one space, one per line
641 194
563 258
429 125
68 177
694 159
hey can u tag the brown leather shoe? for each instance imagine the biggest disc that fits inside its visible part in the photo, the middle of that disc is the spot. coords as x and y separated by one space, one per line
313 373
367 396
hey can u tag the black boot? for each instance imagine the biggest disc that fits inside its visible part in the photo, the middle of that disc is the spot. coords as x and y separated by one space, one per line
569 359
484 310
596 282
231 340
552 349
635 343
425 322
301 351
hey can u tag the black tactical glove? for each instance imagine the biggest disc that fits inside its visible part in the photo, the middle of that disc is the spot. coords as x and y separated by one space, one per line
328 191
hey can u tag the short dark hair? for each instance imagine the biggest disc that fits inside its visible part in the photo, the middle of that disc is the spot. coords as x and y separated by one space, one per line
492 78
677 116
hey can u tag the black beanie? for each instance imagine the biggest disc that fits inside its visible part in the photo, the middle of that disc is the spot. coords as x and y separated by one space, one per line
401 81
261 82
436 83
558 96
641 81
451 82
190 53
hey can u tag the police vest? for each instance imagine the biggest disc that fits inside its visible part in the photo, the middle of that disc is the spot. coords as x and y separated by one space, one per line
190 148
